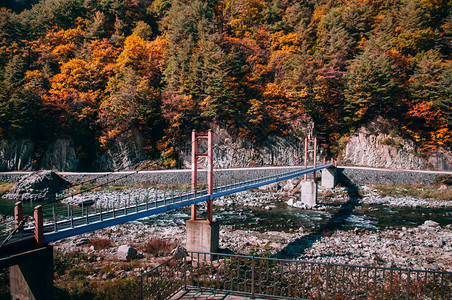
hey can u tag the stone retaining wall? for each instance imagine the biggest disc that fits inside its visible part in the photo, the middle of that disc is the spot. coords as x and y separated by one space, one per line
363 176
221 177
179 177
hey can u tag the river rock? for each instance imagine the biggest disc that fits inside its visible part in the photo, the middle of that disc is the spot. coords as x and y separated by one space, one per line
290 185
38 186
127 252
430 224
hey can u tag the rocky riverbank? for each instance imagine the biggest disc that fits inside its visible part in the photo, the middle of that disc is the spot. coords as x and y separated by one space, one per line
428 246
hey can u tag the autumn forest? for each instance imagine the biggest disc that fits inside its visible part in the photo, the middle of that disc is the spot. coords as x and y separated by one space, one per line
95 70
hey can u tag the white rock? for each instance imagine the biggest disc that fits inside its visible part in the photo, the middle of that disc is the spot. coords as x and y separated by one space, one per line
126 252
430 223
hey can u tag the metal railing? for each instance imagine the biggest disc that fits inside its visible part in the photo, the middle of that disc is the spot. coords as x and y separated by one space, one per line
72 220
165 279
290 279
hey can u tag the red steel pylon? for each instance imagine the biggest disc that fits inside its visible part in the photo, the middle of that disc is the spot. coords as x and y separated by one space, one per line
194 170
306 150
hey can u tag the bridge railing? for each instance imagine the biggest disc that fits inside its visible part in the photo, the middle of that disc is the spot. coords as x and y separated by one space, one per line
65 221
6 225
259 276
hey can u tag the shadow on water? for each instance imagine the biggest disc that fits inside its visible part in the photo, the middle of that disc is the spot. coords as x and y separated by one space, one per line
337 222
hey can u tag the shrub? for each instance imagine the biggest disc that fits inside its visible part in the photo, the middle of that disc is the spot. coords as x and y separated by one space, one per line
99 243
159 247
392 143
443 194
443 179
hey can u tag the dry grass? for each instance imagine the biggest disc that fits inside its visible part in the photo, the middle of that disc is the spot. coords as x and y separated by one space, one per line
5 187
78 276
445 194
99 243
424 192
159 247
97 289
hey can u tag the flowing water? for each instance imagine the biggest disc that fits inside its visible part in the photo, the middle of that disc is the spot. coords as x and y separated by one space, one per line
284 218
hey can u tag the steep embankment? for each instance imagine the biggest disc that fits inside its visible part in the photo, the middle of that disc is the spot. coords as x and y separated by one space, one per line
62 155
379 144
230 151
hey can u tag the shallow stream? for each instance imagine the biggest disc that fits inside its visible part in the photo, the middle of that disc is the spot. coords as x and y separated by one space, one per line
288 219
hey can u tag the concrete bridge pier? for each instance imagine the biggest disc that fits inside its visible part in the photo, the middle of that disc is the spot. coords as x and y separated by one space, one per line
309 193
329 177
202 235
32 278
31 272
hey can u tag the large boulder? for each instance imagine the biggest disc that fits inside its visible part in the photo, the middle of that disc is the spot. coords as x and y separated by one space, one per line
38 186
126 252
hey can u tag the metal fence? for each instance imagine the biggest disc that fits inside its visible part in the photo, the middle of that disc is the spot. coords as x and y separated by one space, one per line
258 276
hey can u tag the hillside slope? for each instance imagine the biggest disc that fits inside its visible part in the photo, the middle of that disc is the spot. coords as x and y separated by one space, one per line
93 79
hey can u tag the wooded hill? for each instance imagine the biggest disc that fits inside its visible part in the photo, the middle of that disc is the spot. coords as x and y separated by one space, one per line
93 70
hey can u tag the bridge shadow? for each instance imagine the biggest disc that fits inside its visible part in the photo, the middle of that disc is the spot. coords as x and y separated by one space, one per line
337 222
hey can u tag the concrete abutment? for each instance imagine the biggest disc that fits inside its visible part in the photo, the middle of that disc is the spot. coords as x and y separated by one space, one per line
202 236
329 177
32 278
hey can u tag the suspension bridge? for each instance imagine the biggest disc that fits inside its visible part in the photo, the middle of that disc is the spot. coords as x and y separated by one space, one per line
139 208
24 240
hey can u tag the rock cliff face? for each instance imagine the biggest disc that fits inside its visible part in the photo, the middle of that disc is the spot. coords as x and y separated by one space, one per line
61 156
374 145
378 145
16 155
124 153
230 151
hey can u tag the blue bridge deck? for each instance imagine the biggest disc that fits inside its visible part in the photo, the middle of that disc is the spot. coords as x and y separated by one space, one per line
59 229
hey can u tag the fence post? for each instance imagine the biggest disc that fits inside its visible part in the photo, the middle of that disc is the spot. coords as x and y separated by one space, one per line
18 215
252 277
327 280
185 269
141 287
39 225
54 219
